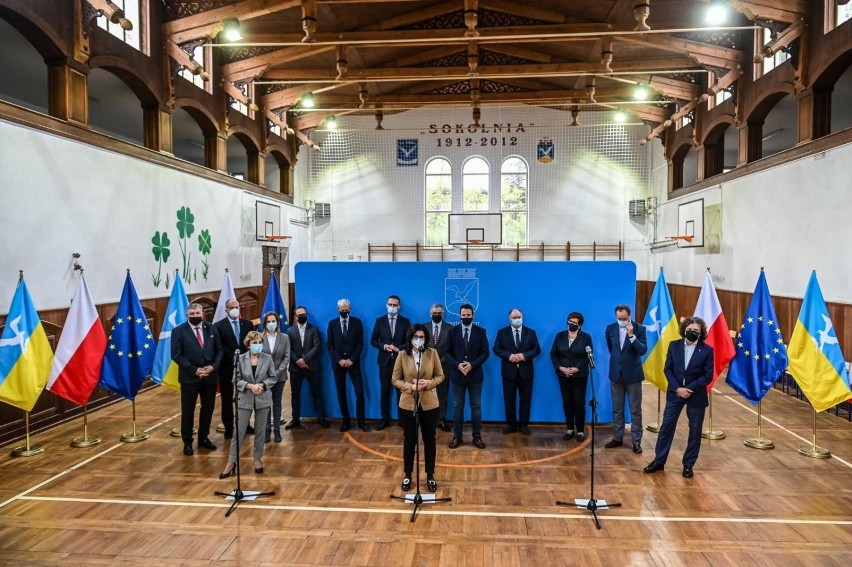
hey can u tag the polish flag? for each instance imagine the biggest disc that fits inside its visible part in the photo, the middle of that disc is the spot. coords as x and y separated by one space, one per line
718 335
80 352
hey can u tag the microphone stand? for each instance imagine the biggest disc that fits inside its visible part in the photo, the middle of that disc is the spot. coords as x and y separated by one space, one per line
237 494
418 498
592 504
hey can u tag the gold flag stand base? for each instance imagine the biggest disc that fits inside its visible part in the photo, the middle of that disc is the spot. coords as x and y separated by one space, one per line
220 428
27 450
710 433
814 452
134 436
176 431
655 427
758 443
85 440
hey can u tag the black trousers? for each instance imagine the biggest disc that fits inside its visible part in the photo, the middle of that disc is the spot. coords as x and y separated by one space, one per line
428 424
297 378
226 398
354 372
204 388
443 390
513 388
573 392
385 376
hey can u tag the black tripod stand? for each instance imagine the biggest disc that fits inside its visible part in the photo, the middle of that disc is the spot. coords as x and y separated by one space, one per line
417 498
592 504
237 494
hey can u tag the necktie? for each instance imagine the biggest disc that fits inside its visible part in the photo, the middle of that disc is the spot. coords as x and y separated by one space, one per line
345 326
198 336
393 326
517 338
435 335
235 325
466 334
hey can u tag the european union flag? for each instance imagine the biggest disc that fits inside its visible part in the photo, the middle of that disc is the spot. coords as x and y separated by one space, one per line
275 303
130 347
761 356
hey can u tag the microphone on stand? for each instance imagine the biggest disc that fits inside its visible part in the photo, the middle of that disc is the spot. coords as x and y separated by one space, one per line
591 356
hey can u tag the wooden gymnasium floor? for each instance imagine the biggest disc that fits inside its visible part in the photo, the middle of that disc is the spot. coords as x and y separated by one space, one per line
148 504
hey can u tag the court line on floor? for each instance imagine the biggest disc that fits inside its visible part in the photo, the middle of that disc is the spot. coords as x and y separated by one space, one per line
580 515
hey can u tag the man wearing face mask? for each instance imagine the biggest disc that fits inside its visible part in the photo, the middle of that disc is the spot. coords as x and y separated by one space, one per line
388 337
304 365
626 342
345 340
439 340
232 331
688 370
517 346
467 352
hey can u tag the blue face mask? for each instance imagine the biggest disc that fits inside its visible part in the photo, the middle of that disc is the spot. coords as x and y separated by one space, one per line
621 323
271 326
516 323
256 348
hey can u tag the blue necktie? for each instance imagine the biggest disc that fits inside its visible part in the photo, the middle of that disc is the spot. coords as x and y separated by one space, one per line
236 327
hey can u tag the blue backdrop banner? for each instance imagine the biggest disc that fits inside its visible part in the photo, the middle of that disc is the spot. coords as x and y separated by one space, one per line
545 291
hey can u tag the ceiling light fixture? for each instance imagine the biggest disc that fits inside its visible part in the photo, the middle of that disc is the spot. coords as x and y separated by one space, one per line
231 29
307 100
331 123
716 13
620 116
641 93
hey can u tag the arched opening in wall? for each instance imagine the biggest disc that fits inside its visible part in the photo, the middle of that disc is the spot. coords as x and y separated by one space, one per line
23 70
732 148
276 170
678 165
779 126
690 166
240 148
714 150
841 110
114 109
189 145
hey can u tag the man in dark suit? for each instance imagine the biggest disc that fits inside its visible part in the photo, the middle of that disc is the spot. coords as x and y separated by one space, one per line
304 365
467 352
388 337
626 342
517 346
439 339
196 351
232 332
345 340
688 370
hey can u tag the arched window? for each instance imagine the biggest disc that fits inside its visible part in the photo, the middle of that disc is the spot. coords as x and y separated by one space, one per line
439 200
513 200
475 185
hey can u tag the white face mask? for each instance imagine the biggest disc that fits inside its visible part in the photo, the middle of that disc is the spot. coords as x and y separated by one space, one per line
392 309
234 312
621 323
418 343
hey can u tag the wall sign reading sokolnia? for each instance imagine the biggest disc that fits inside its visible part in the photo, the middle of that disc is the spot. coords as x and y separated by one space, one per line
473 135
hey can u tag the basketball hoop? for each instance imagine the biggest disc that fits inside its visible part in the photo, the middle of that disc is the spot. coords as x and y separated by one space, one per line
473 242
277 238
686 238
275 249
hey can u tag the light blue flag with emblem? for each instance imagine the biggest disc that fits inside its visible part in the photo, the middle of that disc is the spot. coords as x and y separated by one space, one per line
661 328
130 347
165 370
274 303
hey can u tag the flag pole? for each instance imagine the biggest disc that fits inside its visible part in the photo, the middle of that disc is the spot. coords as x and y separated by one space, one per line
759 442
221 427
134 436
710 433
814 451
27 450
85 440
655 427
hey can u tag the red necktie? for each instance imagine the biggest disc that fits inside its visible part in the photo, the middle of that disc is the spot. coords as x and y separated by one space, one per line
198 336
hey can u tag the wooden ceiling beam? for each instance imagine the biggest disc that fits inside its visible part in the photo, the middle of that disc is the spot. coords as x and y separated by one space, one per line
520 52
428 55
255 66
702 52
209 23
524 11
416 16
788 11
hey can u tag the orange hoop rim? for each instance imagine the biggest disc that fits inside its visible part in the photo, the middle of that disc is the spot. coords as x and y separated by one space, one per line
686 238
277 237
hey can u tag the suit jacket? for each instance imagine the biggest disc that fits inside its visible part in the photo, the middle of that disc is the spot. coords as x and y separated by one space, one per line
504 345
573 356
280 354
309 350
405 371
697 376
382 336
474 351
348 347
441 345
229 342
188 354
625 364
265 374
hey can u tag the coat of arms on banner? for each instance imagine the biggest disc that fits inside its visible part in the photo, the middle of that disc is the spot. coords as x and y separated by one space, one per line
544 151
406 152
461 286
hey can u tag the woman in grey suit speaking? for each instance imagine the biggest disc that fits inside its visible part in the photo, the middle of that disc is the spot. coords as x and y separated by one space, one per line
254 378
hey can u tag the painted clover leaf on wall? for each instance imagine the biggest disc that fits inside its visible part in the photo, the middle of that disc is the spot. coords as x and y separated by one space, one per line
185 229
161 253
205 244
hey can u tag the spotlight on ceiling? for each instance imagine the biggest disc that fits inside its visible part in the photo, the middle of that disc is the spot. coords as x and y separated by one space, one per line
331 123
620 116
231 30
716 13
307 100
641 93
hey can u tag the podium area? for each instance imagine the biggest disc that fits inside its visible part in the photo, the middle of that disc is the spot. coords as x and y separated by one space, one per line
146 503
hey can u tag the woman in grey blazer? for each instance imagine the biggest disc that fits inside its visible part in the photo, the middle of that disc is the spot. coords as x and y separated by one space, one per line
277 345
254 378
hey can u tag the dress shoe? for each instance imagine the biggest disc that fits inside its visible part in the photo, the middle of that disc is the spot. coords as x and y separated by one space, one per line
568 435
187 449
581 437
227 473
637 448
443 425
258 469
229 434
363 426
653 467
687 472
295 424
525 430
613 444
509 429
431 484
406 484
398 423
457 440
207 444
382 424
278 436
323 422
344 428
478 442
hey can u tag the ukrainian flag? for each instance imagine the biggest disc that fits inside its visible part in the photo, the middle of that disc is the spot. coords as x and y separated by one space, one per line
816 362
25 354
661 328
165 370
